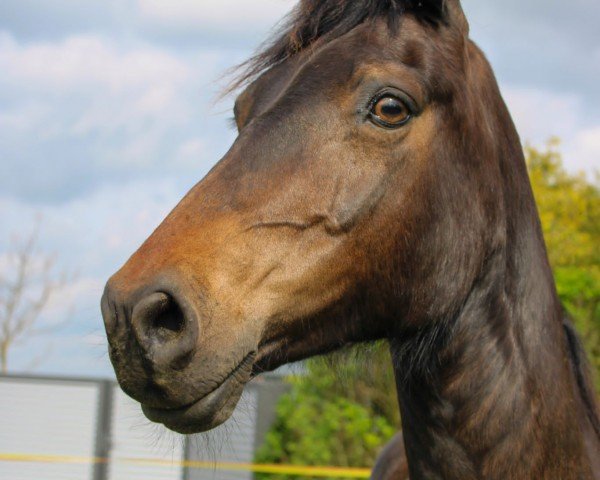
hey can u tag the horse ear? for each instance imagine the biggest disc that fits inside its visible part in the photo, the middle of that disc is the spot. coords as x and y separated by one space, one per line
449 11
455 15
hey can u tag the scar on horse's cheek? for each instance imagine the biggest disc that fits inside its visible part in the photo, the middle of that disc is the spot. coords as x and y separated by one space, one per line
357 197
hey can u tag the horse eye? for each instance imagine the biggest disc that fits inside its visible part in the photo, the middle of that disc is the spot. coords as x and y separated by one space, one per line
390 112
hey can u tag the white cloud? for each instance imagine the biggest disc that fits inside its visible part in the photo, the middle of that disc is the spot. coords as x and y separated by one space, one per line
541 43
86 61
90 236
585 149
96 232
73 300
87 108
105 106
542 114
79 354
23 117
191 151
113 88
235 16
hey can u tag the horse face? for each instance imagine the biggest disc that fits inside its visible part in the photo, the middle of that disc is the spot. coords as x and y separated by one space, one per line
328 204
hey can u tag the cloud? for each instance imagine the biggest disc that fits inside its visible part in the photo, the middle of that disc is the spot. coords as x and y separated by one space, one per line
78 298
106 120
232 23
96 232
229 23
84 61
541 44
86 86
53 19
86 110
584 149
225 16
542 114
90 237
63 354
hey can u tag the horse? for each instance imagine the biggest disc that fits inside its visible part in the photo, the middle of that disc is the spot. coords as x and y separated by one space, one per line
392 463
377 189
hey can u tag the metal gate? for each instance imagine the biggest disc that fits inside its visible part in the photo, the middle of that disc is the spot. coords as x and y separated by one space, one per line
48 417
85 429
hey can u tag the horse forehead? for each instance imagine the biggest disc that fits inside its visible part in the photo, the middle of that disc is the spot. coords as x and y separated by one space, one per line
410 43
413 53
370 45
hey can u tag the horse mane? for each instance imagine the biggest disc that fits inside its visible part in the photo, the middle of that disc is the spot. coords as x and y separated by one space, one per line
581 369
312 20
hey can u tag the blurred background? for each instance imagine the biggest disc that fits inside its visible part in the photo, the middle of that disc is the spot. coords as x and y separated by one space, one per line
109 114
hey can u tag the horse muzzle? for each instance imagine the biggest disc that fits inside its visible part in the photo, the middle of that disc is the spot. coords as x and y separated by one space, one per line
161 360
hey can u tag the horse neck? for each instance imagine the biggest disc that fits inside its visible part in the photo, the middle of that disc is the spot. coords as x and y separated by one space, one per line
496 398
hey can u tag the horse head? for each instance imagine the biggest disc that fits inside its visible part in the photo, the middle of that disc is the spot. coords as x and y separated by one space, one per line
376 189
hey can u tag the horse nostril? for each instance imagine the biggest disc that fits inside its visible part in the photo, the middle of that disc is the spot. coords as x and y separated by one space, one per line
167 321
164 333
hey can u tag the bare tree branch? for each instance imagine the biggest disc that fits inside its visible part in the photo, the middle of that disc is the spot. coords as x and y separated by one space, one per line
25 290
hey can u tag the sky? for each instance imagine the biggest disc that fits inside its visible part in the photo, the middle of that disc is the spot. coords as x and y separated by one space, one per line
109 114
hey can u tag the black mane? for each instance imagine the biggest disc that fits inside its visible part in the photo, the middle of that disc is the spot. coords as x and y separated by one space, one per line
314 19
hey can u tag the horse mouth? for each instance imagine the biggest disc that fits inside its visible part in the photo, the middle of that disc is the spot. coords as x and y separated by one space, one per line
271 355
210 410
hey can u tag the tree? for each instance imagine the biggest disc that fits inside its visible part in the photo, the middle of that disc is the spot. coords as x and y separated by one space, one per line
27 281
339 413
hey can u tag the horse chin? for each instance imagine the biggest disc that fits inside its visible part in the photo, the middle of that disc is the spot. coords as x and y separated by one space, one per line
204 414
209 409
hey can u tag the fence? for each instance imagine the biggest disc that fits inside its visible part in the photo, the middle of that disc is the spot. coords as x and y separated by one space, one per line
56 428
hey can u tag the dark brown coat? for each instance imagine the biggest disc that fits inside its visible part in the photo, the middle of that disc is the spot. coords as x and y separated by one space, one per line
377 189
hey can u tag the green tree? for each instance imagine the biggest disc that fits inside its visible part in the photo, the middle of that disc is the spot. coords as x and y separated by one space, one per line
340 413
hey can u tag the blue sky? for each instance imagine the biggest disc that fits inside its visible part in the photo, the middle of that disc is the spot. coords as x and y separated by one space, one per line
108 116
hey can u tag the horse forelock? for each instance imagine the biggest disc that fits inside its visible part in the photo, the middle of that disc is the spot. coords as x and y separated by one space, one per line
313 20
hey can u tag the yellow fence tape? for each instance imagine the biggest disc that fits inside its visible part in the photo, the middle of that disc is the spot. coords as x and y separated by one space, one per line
316 472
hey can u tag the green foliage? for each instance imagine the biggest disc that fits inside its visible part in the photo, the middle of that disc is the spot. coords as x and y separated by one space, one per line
340 418
569 207
344 409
